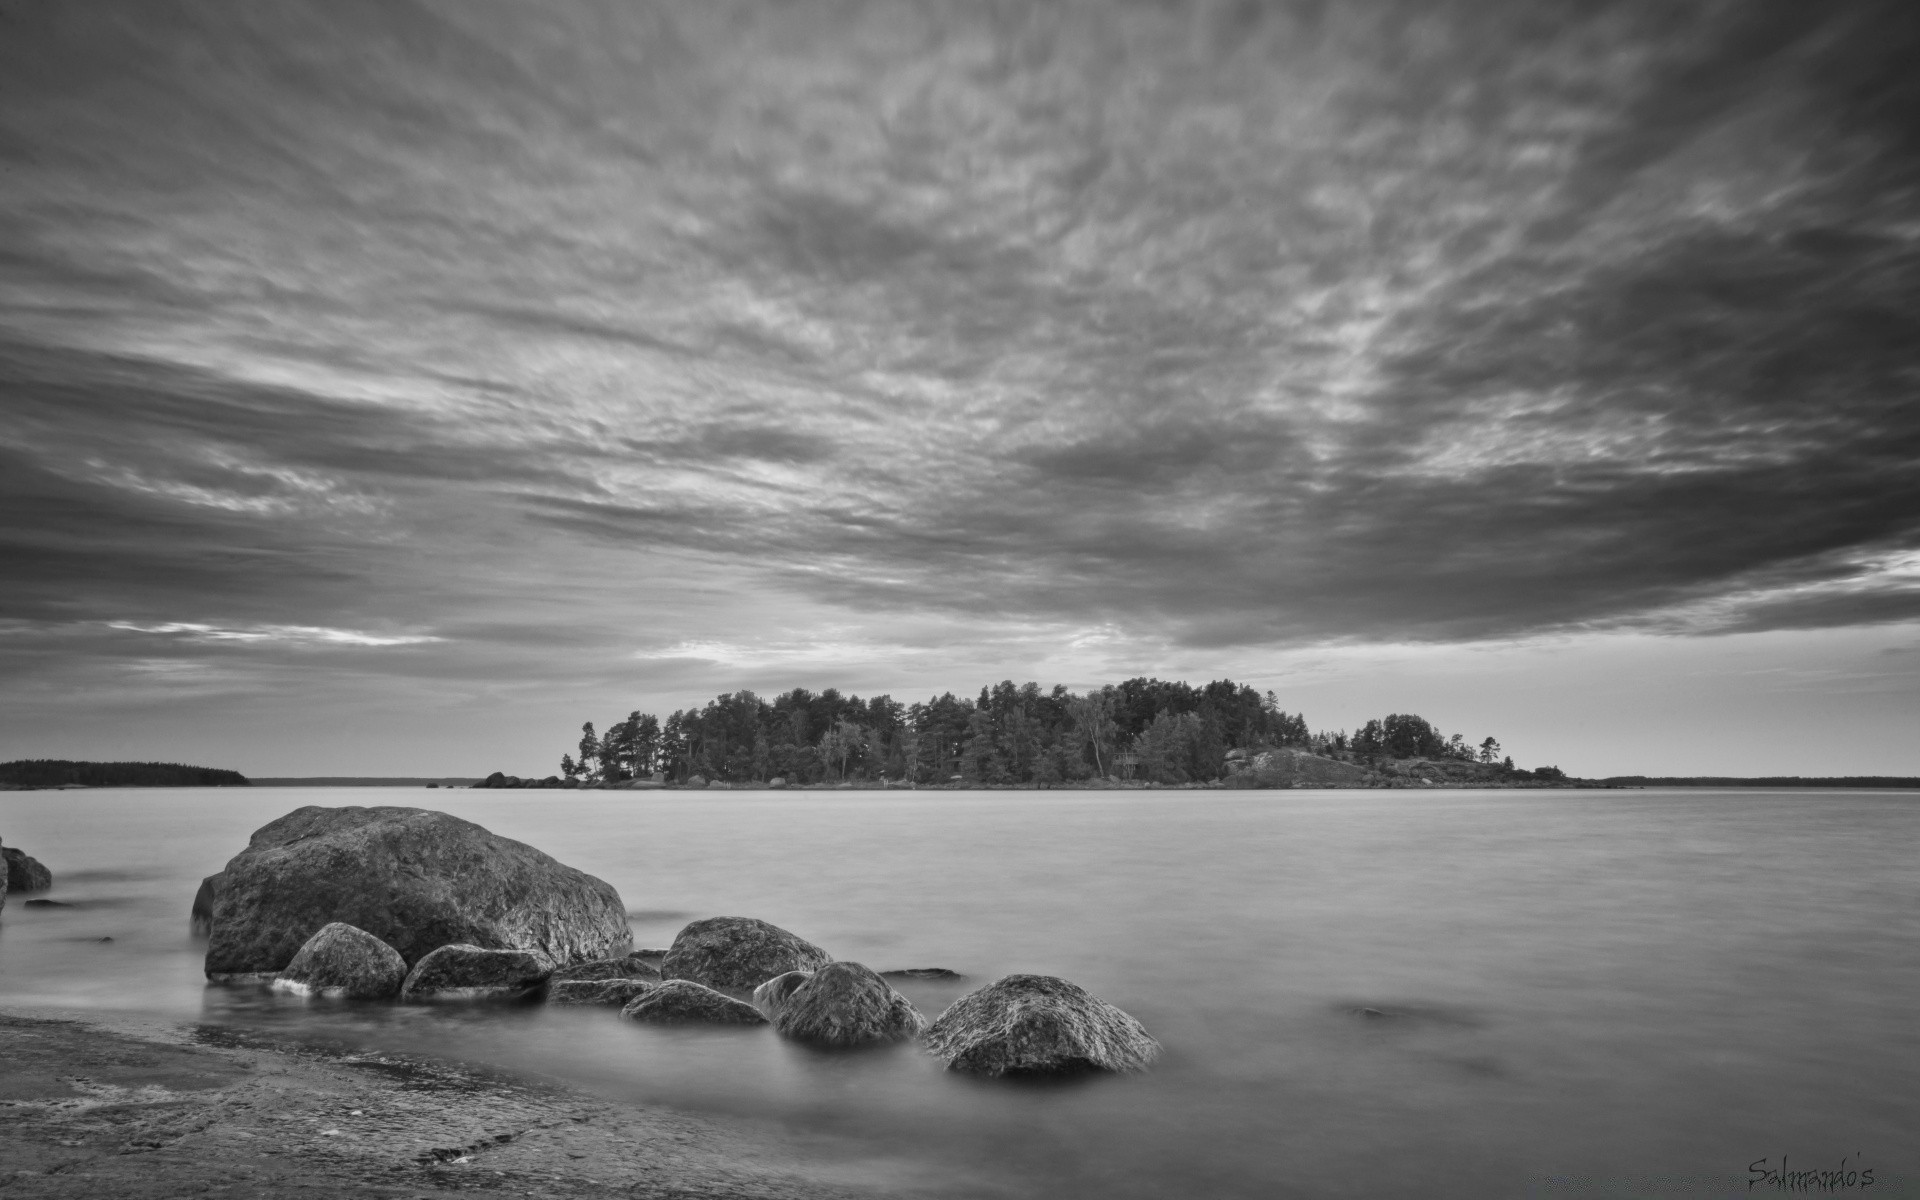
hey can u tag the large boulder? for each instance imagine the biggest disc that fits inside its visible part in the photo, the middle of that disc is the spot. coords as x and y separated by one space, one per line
24 873
842 1004
413 878
476 973
201 916
345 962
614 993
738 952
683 1002
631 966
1038 1025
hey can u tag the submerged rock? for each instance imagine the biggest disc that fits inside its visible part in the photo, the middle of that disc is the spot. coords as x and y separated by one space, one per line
630 966
843 1004
924 973
24 872
683 1002
201 916
347 962
476 973
1038 1025
614 993
738 952
772 995
413 878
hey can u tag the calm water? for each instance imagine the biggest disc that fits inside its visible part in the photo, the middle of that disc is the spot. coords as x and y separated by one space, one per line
1611 993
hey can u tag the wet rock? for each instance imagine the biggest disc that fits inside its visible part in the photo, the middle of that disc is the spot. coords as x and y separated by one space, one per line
738 952
343 961
1038 1025
201 916
683 1002
24 872
44 903
772 995
923 973
844 1004
413 878
613 993
627 966
475 973
650 958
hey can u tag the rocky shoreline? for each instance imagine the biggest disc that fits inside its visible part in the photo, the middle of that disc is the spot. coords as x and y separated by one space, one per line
97 1107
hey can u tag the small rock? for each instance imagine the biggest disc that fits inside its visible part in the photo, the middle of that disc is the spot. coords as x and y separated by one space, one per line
738 952
201 915
772 995
465 972
844 1004
683 1002
45 903
625 967
923 973
616 993
1038 1025
24 873
344 961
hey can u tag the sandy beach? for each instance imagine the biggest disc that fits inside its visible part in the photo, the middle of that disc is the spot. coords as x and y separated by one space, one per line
100 1107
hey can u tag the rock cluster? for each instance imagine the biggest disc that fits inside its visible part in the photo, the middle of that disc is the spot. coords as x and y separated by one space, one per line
384 903
413 878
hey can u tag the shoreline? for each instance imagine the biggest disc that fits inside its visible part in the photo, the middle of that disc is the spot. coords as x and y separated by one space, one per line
100 1105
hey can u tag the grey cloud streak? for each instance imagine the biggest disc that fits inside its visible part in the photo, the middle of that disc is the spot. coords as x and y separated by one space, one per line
1224 324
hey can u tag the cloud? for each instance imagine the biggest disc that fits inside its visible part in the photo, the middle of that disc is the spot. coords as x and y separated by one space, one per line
1205 325
294 635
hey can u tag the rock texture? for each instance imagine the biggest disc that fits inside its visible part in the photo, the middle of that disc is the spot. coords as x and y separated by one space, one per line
201 916
683 1002
1291 769
346 962
738 952
476 973
24 873
415 879
1038 1025
614 993
630 966
843 1004
772 995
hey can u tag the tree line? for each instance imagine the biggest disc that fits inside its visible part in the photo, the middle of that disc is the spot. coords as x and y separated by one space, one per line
1143 729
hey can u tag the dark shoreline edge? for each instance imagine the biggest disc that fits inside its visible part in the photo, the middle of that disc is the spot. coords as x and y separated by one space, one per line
113 1105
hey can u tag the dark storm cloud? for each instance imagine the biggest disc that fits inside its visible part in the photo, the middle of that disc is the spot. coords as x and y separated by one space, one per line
1228 324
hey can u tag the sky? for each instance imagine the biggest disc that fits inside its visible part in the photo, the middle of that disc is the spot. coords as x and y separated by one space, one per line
389 386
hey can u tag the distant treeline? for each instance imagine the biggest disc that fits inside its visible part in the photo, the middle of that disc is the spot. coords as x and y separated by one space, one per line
1144 729
1791 781
54 772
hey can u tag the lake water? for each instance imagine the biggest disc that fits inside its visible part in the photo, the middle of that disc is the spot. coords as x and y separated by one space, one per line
1589 993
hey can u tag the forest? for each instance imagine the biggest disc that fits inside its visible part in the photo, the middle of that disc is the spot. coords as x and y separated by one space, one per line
1015 734
58 772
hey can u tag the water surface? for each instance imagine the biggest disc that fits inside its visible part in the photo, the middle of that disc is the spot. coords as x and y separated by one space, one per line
1572 993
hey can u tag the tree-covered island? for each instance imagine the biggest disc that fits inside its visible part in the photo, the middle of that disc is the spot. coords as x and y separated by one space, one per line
1143 732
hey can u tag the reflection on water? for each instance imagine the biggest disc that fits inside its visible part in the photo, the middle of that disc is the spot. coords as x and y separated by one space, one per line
1360 994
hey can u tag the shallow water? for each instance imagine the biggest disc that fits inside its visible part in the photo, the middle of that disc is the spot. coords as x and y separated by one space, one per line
1581 993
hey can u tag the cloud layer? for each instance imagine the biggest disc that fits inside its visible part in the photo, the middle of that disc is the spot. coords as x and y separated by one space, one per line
542 330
